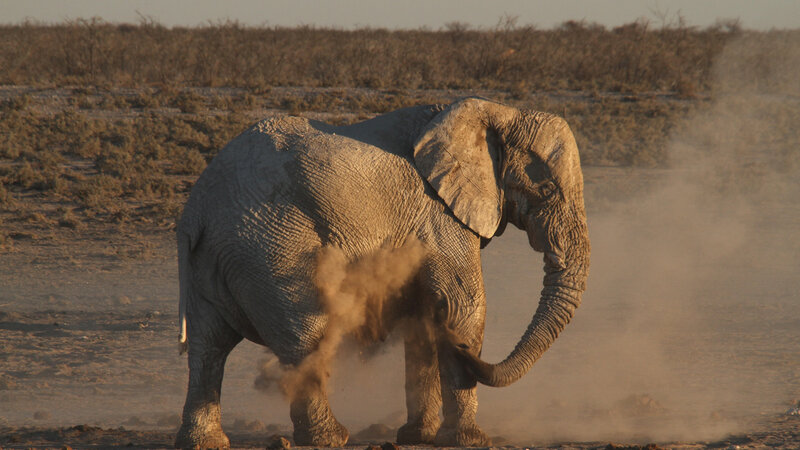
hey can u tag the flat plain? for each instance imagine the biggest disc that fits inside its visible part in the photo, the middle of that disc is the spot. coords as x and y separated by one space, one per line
689 332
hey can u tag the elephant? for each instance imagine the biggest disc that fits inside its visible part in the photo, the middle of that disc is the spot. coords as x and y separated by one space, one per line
450 176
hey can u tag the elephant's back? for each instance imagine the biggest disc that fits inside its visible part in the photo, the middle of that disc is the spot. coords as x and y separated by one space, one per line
359 194
241 175
291 172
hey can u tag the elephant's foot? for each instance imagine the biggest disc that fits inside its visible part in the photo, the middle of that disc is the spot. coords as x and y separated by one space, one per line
195 437
329 433
417 433
465 436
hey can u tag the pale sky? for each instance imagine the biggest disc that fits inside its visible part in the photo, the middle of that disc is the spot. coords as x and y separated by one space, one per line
761 15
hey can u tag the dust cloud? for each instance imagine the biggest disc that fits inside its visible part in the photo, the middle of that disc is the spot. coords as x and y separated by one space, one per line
354 296
690 326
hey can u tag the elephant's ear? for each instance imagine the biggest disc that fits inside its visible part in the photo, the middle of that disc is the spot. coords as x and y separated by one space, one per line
458 153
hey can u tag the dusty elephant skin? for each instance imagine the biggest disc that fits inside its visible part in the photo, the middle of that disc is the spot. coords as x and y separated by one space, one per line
448 177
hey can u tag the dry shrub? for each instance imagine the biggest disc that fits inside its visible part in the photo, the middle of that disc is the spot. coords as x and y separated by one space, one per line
111 101
98 192
187 162
6 199
189 102
6 243
29 176
115 161
144 100
68 219
17 134
220 102
17 103
168 210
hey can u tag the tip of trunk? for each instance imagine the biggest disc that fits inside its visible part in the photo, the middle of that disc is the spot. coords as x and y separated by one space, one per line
485 373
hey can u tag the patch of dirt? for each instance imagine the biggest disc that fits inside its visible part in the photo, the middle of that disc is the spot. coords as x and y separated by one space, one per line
777 432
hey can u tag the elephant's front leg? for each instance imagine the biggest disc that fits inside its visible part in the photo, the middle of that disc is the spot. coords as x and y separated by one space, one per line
460 401
423 394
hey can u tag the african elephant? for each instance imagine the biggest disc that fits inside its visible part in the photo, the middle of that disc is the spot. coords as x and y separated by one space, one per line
451 176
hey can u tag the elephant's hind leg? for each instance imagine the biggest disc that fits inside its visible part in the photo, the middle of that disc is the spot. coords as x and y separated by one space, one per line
313 420
210 341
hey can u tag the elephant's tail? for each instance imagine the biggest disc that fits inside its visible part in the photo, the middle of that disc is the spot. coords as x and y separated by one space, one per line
184 278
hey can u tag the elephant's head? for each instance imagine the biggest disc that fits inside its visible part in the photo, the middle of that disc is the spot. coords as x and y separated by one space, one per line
493 164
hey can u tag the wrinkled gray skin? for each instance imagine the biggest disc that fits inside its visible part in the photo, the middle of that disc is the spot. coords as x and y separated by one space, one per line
451 175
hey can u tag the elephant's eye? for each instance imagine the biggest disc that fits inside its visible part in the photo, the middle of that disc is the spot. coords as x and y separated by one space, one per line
546 190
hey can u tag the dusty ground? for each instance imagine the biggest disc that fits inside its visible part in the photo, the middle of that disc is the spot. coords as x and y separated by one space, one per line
89 355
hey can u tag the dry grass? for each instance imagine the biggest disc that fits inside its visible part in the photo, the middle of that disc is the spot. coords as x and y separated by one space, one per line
635 57
114 122
129 156
97 168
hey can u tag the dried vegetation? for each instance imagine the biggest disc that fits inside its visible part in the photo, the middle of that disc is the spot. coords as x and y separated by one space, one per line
110 124
576 56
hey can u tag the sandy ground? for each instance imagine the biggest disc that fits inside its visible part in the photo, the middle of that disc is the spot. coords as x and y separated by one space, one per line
679 342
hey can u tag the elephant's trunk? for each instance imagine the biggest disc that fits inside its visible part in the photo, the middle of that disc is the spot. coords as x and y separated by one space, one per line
564 283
